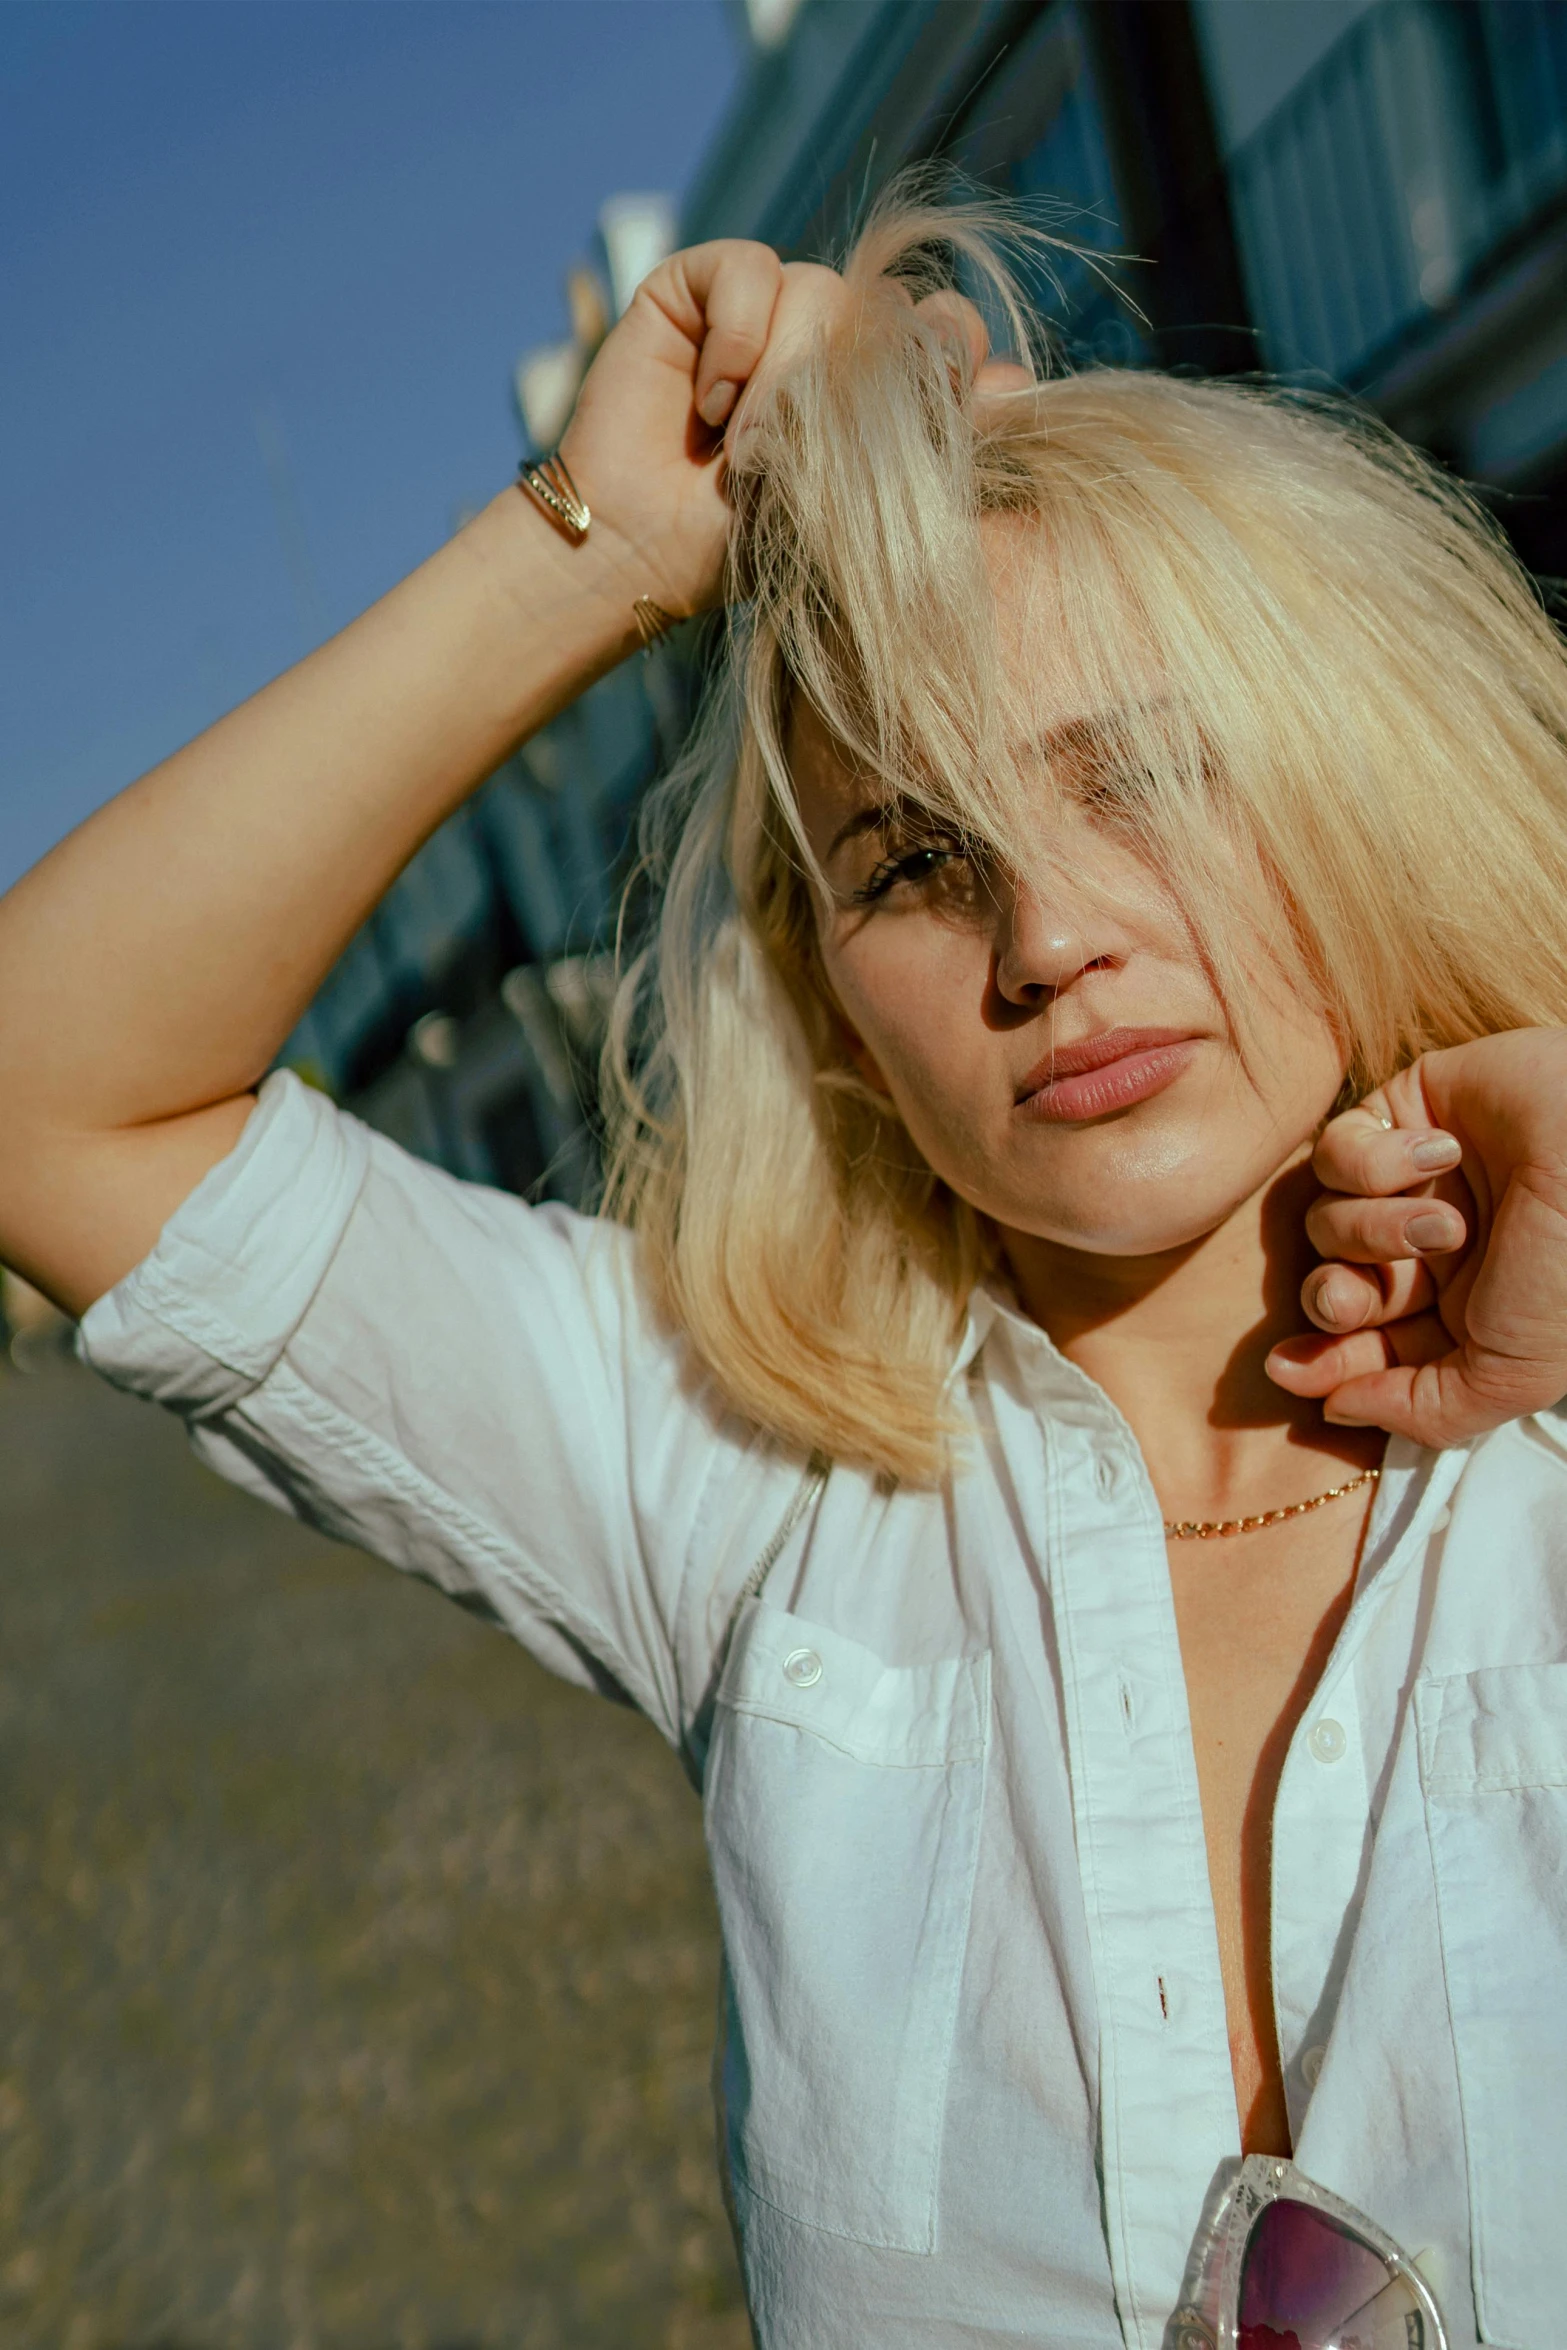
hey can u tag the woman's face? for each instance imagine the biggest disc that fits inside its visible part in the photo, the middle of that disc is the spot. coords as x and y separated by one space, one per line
1058 1053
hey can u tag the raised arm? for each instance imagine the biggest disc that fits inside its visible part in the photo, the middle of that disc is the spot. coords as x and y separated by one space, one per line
151 966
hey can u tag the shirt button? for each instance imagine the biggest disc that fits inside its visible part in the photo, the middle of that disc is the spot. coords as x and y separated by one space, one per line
1104 1474
1311 2065
802 1666
1327 1740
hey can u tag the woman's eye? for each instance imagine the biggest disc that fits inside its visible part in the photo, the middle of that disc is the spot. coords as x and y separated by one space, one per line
913 866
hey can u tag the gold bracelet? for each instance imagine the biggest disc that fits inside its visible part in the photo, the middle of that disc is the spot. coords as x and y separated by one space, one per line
550 485
652 621
548 481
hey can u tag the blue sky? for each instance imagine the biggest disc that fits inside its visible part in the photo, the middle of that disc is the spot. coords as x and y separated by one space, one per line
325 226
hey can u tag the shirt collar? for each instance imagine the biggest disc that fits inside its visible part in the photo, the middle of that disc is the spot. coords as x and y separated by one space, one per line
994 1313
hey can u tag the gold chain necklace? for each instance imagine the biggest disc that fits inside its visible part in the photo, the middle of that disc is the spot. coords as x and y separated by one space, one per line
1204 1529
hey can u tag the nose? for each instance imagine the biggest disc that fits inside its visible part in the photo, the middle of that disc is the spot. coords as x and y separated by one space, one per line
1041 948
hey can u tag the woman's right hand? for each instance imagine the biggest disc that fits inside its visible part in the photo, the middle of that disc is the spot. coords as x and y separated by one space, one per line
644 444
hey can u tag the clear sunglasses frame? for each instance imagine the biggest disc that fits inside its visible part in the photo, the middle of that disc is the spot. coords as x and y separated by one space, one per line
1212 2321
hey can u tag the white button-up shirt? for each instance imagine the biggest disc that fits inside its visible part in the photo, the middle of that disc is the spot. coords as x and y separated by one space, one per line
975 2075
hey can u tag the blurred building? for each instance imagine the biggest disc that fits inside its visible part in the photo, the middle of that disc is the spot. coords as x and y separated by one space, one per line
1367 193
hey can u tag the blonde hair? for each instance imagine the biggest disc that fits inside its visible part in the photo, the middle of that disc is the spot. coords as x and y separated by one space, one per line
1299 633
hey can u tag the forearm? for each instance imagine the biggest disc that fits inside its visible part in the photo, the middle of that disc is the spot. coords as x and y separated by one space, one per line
151 966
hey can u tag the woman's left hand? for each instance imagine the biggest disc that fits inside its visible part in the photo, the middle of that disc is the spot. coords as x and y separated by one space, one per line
1443 1299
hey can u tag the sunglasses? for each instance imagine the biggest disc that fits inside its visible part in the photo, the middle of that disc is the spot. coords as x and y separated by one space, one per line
1284 2265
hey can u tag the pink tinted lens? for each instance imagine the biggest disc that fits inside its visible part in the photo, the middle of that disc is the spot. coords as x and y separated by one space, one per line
1307 2283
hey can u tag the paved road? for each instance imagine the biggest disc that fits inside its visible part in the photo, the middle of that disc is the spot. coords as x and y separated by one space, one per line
356 1979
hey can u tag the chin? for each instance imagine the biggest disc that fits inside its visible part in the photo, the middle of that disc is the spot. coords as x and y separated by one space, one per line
1142 1211
1130 1234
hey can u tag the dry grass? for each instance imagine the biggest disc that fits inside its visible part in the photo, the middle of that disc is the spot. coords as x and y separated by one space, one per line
355 1978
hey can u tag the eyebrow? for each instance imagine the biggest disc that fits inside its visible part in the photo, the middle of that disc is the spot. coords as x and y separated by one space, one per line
873 817
1072 736
1096 734
880 816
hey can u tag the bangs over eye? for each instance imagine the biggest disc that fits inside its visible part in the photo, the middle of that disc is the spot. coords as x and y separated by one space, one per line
1119 767
920 854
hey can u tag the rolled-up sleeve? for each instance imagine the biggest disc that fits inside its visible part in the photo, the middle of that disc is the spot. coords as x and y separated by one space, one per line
465 1386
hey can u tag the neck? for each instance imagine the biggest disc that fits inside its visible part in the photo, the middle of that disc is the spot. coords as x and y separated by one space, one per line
1178 1342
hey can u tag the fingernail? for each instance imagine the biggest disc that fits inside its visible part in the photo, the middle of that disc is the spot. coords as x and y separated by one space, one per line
1335 1301
1436 1150
1342 1419
1433 1231
716 402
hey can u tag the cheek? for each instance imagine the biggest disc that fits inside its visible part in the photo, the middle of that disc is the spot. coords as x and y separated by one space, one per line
912 991
1295 1060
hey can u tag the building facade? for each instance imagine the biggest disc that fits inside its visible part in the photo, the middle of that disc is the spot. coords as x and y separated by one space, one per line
1370 194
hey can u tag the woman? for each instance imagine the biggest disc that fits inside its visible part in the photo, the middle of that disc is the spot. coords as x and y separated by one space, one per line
1114 777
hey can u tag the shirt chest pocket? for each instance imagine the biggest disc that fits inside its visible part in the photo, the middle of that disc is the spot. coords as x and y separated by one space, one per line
842 1799
1493 1764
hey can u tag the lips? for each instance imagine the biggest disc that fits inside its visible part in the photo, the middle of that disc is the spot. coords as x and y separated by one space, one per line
1104 1073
